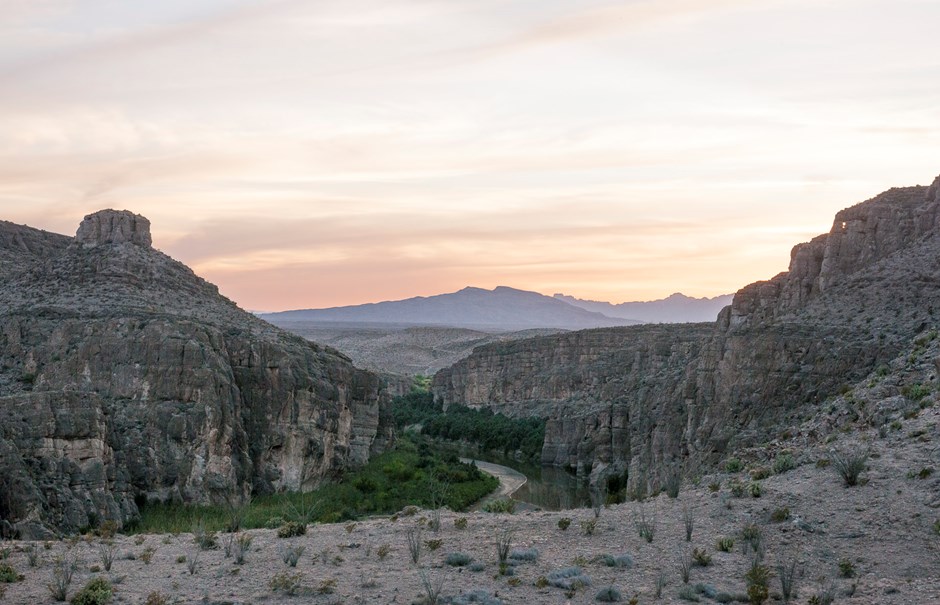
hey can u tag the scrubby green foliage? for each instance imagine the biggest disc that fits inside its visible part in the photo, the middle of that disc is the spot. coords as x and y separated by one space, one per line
97 591
491 431
8 574
387 484
502 505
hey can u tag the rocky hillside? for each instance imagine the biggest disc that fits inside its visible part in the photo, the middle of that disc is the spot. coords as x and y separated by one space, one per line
125 377
652 401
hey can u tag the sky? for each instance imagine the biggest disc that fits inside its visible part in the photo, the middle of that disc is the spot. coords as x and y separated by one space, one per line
314 153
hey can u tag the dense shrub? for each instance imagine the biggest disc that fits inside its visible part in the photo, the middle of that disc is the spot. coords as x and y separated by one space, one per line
97 591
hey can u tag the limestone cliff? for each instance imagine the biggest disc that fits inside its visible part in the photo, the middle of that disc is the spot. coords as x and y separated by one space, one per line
126 377
654 400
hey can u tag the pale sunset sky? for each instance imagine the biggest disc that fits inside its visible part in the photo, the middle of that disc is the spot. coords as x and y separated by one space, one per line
318 153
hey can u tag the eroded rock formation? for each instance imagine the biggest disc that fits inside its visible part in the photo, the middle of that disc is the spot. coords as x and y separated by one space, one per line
125 377
652 400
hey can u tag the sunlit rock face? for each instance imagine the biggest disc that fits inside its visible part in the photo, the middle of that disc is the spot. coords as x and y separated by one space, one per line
657 400
124 377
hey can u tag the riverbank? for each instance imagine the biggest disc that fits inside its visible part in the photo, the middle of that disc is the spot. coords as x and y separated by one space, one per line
510 480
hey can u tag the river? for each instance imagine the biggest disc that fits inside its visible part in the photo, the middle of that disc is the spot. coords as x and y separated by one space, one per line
534 487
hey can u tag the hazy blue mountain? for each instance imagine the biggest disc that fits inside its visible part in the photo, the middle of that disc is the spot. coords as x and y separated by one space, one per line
676 308
499 309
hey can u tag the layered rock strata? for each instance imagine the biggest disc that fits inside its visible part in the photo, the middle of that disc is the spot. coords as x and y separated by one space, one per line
655 400
124 377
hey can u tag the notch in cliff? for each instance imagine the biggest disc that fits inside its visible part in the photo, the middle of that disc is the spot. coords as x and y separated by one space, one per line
114 227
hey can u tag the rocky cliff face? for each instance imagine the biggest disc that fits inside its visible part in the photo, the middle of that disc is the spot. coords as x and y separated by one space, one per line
125 377
652 400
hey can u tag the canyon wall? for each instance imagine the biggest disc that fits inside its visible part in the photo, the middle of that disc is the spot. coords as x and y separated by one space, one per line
656 400
124 378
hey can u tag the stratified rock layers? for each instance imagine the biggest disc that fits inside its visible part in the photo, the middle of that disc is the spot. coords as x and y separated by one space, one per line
655 400
124 377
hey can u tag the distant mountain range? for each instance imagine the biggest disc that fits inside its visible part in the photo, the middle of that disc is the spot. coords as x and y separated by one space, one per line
507 309
676 308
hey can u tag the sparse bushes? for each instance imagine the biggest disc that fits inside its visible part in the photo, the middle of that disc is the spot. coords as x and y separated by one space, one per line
701 558
673 484
725 544
687 593
432 588
97 591
751 534
291 529
433 544
413 537
62 570
106 552
291 554
758 583
825 596
568 578
734 465
850 464
207 540
688 521
783 463
608 595
685 567
458 559
502 505
780 515
589 526
8 575
460 523
619 561
846 568
787 573
32 554
530 555
192 563
503 543
645 524
240 547
157 598
564 523
286 583
383 550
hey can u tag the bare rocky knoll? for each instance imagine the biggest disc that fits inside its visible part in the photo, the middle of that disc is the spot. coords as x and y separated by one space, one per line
407 351
654 401
126 377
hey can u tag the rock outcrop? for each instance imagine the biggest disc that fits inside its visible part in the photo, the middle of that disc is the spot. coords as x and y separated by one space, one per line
650 401
124 377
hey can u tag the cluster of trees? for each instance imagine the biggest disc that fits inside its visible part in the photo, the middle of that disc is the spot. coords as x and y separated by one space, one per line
490 431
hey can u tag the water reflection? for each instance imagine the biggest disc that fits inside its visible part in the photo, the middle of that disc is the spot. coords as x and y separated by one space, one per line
547 487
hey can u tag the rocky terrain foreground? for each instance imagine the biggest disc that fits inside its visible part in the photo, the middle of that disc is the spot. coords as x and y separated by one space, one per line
875 543
124 377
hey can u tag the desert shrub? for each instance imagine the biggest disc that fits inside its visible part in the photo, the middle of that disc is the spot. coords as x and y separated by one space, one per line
475 597
755 489
502 505
477 567
846 568
734 465
413 537
568 578
97 591
106 552
432 588
738 489
433 544
687 593
706 590
62 570
460 523
645 524
458 559
206 539
146 555
752 535
291 554
286 583
787 573
620 561
725 544
157 598
32 554
608 595
759 473
850 464
503 543
524 554
825 596
783 463
780 515
673 485
564 523
688 521
192 563
327 586
291 529
659 585
240 547
758 582
714 486
589 526
8 574
701 558
383 550
685 567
